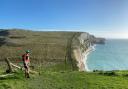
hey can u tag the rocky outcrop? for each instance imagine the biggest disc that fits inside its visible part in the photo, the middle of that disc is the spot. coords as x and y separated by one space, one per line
82 44
80 48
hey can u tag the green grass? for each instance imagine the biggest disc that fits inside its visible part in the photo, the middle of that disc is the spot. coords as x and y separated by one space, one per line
59 77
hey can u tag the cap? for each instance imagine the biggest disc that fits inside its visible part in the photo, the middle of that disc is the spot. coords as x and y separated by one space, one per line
27 51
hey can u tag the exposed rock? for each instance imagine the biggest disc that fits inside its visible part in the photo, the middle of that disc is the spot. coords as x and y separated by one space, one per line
80 45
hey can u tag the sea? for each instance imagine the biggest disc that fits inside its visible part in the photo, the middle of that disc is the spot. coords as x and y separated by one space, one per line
113 55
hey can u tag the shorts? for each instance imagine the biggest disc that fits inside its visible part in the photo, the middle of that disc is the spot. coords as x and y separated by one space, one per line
26 67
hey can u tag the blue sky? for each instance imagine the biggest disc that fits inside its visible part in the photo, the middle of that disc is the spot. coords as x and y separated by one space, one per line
105 18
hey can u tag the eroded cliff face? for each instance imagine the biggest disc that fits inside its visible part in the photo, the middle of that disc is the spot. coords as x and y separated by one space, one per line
80 47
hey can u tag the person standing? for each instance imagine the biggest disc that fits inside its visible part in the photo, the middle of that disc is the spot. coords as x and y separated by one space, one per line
26 62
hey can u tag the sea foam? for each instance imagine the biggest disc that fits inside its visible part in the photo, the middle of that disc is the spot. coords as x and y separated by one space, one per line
87 52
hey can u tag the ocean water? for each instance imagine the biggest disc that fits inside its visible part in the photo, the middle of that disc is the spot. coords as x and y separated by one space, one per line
113 55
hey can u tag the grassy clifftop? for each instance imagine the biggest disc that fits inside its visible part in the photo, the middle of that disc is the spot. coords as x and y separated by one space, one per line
45 47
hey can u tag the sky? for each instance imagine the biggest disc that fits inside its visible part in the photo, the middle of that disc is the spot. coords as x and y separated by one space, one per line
104 18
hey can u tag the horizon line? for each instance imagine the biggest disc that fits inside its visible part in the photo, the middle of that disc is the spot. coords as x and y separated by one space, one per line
66 30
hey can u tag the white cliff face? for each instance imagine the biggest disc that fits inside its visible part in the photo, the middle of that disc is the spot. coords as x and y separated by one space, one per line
79 57
81 48
83 37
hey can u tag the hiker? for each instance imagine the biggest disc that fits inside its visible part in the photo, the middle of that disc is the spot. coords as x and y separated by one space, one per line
26 62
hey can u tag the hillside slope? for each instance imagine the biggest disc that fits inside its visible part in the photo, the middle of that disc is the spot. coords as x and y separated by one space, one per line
45 47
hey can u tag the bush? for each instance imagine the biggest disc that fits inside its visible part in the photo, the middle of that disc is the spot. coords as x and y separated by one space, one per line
108 73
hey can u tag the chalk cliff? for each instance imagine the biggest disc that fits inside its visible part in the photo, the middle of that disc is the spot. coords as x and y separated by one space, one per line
80 48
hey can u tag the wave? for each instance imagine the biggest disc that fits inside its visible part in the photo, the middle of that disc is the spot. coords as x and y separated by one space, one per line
88 51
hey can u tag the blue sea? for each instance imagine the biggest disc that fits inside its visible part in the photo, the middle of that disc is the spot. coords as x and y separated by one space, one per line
113 55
